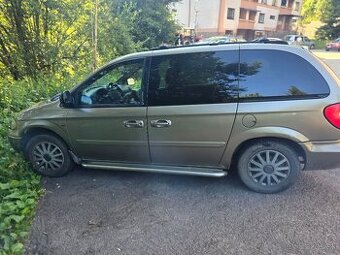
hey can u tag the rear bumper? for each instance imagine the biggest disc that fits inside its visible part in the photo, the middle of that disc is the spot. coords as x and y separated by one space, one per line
322 155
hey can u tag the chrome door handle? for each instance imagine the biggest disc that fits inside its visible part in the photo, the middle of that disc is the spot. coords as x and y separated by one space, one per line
160 123
133 123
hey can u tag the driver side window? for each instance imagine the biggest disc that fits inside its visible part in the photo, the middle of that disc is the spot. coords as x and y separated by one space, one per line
119 84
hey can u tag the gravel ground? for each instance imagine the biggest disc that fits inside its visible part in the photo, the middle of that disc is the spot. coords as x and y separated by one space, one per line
102 212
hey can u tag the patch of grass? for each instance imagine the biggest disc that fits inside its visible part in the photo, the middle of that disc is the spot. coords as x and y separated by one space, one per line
19 187
320 44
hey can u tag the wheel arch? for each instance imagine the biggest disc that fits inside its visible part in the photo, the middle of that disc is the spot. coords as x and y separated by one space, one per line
32 131
293 144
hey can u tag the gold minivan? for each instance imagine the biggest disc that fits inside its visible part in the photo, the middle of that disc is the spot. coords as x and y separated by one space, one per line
269 111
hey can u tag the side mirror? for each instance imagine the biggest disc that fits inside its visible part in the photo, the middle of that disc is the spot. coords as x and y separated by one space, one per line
66 99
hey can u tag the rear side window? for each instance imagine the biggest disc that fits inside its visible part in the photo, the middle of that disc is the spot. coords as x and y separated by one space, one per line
278 75
194 78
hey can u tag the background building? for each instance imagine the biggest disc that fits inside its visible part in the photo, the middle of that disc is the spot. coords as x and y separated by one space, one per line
246 18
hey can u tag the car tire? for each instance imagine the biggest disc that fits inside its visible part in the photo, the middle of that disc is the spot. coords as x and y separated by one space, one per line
312 47
49 156
268 166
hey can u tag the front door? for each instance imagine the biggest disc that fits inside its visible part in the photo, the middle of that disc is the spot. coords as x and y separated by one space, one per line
109 120
192 106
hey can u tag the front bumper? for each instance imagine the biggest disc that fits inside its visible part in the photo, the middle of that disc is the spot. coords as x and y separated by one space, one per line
322 155
15 143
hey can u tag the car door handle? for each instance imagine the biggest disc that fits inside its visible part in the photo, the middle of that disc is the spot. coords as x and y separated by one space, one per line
160 123
133 123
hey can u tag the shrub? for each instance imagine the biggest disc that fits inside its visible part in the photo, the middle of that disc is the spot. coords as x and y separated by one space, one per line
19 187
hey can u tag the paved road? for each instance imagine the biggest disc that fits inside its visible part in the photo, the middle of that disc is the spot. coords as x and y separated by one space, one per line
98 212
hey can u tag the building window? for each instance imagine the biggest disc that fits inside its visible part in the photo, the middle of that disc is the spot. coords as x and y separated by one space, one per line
243 13
272 17
274 3
297 6
263 1
283 2
231 13
252 15
261 18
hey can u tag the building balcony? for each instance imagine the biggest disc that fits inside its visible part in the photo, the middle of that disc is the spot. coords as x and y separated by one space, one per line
249 4
286 11
246 24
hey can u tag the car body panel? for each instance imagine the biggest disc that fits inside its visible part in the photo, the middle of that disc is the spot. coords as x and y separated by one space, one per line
99 133
197 136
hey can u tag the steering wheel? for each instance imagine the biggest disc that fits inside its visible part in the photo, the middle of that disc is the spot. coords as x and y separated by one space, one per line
112 85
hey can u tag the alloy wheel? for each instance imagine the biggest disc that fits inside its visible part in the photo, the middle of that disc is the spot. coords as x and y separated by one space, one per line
48 156
269 167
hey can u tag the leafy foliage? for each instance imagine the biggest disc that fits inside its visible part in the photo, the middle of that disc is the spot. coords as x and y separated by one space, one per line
19 186
55 36
326 11
331 18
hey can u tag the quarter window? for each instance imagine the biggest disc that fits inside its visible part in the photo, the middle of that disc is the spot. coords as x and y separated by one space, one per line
120 84
278 75
195 78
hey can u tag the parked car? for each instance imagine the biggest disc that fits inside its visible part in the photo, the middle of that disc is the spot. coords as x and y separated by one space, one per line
199 110
221 40
335 45
269 40
301 40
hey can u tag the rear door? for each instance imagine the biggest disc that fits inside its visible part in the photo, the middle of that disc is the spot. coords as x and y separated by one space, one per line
192 105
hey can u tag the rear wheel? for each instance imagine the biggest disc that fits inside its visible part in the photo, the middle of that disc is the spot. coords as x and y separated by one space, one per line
49 156
268 166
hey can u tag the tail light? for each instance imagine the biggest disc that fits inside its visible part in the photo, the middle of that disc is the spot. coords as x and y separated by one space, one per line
332 114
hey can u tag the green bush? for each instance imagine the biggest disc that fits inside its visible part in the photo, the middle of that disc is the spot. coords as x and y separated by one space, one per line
19 186
320 44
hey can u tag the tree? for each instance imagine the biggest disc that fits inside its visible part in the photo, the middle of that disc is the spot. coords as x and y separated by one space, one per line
40 37
331 18
151 22
326 11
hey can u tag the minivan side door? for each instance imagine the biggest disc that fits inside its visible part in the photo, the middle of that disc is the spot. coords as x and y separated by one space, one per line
109 119
192 100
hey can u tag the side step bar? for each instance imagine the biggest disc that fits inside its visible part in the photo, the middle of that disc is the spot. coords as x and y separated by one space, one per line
198 171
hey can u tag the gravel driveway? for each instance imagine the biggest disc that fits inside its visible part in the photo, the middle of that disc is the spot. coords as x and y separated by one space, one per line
99 212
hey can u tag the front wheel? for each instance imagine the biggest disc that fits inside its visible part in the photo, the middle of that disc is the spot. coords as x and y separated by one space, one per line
268 166
49 156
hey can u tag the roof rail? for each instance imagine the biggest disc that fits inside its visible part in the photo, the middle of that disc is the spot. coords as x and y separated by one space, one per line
169 47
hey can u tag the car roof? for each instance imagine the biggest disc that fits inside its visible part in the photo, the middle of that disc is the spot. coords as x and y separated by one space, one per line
195 48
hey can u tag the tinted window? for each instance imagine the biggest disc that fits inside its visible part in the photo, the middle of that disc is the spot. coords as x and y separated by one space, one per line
195 78
278 75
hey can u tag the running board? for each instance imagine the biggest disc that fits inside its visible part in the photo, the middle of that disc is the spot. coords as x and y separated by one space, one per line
198 171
